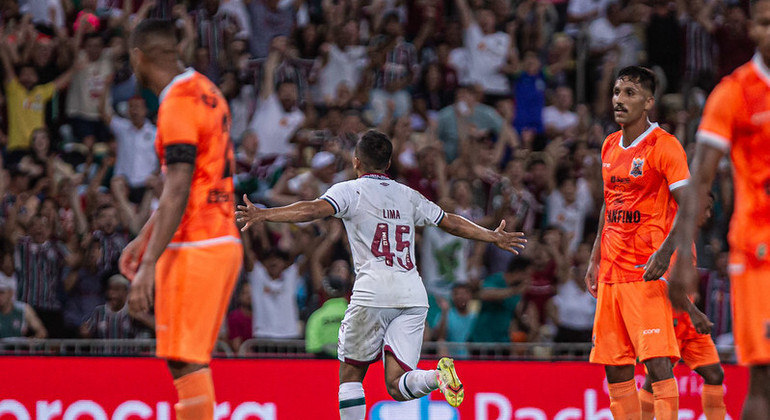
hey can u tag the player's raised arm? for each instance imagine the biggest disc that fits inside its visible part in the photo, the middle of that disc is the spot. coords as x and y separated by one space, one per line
301 211
464 228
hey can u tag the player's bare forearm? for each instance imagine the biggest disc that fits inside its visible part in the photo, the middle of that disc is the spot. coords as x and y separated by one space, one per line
596 251
464 228
301 211
171 207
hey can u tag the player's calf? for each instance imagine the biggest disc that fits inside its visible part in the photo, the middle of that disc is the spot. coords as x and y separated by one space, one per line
664 388
624 402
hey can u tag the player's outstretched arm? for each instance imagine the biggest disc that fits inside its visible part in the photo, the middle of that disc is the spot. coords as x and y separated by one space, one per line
464 228
301 211
683 275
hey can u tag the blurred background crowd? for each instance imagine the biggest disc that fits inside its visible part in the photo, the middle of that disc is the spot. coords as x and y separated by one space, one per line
497 110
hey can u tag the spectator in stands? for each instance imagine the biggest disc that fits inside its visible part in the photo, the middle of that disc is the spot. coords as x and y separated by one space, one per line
274 284
488 51
467 111
89 84
135 159
456 320
572 309
241 100
270 19
110 235
309 184
113 320
26 99
558 118
500 295
277 116
342 61
568 211
324 324
239 320
84 286
40 263
17 319
610 35
395 66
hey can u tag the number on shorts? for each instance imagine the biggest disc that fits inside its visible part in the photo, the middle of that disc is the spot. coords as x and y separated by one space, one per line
381 245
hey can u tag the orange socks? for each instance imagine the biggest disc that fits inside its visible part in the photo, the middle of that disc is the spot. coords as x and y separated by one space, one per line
648 404
196 396
624 403
713 399
666 397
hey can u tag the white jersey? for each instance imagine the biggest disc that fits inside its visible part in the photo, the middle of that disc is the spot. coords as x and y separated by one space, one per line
380 216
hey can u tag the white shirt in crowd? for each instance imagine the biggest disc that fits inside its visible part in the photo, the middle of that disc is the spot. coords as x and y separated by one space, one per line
342 67
444 261
575 307
487 54
87 86
559 120
241 110
274 126
581 8
275 313
136 159
570 218
602 34
380 216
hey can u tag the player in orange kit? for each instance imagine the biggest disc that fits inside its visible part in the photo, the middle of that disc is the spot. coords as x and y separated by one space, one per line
736 119
643 168
189 252
698 352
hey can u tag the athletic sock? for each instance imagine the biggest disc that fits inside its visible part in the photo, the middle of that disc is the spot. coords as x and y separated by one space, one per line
624 402
713 399
417 383
196 396
666 399
352 402
648 404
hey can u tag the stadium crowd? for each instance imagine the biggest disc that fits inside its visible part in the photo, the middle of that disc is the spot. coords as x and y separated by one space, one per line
497 110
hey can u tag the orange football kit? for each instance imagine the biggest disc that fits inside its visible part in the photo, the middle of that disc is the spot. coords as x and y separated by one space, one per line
196 274
736 119
633 317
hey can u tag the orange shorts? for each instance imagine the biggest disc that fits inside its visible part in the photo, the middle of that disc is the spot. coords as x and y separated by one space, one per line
193 286
696 349
750 290
633 321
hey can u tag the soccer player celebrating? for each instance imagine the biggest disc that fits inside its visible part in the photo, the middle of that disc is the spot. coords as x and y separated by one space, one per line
387 311
190 245
643 168
698 352
736 119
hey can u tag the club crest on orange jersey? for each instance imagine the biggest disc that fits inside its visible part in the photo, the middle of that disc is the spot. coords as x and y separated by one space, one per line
636 167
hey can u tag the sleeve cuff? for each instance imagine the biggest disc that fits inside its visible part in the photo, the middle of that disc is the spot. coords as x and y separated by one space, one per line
440 218
678 184
332 202
714 140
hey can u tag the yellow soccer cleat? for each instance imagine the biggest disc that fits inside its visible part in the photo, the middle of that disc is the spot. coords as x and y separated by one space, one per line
448 382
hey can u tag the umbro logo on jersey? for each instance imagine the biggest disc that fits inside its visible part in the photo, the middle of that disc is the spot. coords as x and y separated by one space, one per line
636 167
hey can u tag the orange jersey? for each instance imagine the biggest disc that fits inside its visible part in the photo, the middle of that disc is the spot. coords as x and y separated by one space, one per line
194 112
737 119
640 209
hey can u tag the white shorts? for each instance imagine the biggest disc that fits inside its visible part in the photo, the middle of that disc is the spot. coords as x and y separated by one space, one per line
366 333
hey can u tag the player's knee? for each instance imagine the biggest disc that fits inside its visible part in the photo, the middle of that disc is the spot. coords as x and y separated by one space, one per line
759 381
713 375
659 369
617 374
393 390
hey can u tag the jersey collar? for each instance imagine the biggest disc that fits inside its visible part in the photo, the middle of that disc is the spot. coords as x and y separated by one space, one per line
762 71
639 139
375 176
186 74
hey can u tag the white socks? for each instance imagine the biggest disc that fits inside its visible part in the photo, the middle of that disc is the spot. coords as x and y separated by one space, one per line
417 383
352 403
